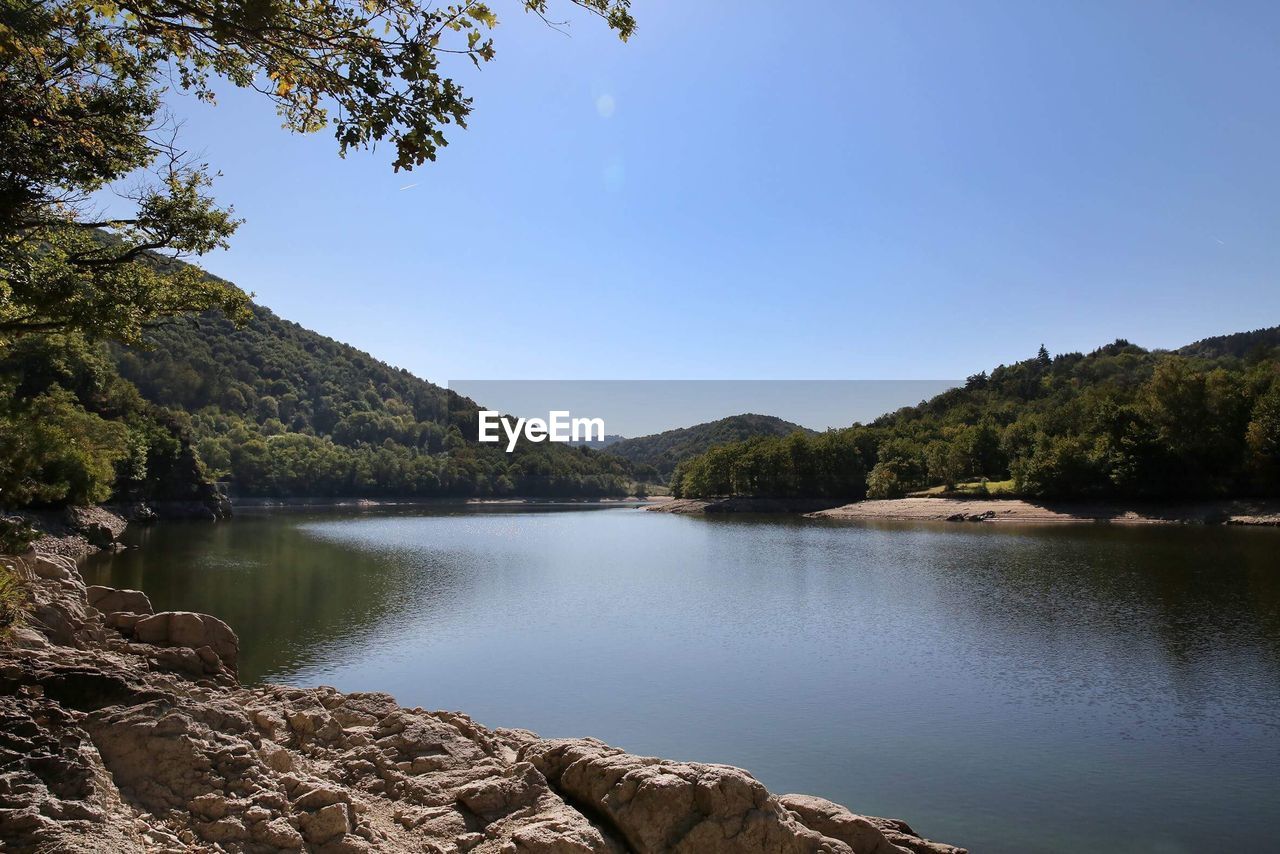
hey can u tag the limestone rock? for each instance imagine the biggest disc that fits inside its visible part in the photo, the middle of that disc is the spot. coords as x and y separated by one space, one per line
277 833
25 637
661 806
326 824
109 599
56 794
52 566
864 834
188 629
122 621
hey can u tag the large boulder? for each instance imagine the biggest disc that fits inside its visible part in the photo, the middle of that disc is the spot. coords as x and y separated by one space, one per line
108 600
664 807
52 566
659 806
864 834
188 629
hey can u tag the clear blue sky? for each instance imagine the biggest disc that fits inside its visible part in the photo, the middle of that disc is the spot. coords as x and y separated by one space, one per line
770 190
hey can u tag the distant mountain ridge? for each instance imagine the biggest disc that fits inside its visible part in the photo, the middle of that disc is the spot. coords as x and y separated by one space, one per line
665 450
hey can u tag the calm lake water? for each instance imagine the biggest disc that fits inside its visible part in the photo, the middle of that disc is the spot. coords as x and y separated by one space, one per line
1042 689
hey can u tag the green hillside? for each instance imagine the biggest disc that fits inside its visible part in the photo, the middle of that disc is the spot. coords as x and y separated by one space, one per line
73 431
1255 345
270 408
279 410
664 450
1120 422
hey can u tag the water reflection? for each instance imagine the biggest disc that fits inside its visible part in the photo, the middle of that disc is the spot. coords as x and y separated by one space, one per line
1034 689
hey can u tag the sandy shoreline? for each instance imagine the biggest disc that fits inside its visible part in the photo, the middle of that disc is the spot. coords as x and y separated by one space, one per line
1240 512
1007 510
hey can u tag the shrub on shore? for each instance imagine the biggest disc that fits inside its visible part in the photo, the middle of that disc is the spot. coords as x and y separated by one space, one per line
13 601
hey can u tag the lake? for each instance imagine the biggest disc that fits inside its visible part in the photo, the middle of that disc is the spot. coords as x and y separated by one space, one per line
1050 689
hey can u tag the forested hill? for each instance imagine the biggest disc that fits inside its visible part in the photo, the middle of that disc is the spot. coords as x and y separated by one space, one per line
664 450
284 378
1258 344
277 409
269 407
1122 421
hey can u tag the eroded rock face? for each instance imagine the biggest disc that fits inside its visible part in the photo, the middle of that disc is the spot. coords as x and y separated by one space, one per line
189 630
58 607
109 600
656 805
55 791
861 833
53 567
121 744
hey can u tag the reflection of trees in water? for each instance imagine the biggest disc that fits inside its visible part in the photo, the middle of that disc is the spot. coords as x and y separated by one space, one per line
1163 617
1170 625
293 598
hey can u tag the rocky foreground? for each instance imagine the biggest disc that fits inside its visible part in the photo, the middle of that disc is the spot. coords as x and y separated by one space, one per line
125 730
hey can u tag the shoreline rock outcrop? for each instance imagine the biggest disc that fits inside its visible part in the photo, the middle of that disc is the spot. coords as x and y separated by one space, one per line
126 730
76 532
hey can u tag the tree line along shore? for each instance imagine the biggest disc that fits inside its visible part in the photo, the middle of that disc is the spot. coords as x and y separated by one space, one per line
1119 424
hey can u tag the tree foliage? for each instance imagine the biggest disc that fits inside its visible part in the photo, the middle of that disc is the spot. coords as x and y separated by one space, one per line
82 131
664 450
72 431
276 409
269 407
1121 422
825 465
55 451
80 112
